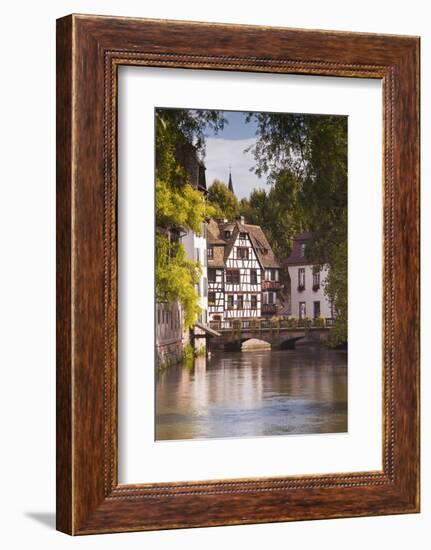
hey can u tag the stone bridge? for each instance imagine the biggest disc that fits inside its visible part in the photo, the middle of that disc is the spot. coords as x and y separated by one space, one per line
232 334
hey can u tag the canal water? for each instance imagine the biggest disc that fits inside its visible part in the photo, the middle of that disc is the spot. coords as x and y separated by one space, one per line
255 393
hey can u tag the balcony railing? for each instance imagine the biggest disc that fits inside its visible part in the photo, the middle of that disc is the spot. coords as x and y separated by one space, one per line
271 285
271 324
269 309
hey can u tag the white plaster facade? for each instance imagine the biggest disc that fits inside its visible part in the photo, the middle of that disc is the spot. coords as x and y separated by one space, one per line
196 250
308 299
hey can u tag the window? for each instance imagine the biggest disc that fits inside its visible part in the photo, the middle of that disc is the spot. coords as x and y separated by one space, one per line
253 277
242 253
243 235
227 234
211 298
230 301
316 310
253 301
212 275
271 275
302 250
198 289
205 285
271 297
240 301
210 253
302 310
232 276
316 278
301 278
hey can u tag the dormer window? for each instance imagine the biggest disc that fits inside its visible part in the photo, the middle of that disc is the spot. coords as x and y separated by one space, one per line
227 234
302 250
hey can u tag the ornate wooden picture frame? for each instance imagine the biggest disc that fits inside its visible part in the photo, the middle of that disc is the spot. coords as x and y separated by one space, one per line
89 51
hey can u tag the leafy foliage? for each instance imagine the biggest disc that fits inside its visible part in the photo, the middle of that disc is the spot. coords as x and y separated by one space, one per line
336 288
176 277
179 206
305 160
224 201
182 127
182 207
274 211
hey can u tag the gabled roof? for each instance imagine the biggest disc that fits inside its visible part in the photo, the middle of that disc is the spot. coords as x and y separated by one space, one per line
213 230
296 257
262 248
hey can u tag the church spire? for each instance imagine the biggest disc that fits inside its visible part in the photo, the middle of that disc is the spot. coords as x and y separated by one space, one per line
230 186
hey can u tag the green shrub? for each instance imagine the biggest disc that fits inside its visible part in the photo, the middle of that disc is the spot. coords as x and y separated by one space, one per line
188 356
254 324
308 322
292 322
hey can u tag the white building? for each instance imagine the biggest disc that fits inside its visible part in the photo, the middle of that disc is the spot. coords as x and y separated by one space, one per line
171 335
243 273
196 250
307 282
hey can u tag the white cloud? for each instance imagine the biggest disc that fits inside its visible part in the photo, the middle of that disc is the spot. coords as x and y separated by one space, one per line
222 153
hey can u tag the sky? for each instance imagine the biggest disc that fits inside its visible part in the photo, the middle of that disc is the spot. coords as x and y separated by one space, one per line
226 149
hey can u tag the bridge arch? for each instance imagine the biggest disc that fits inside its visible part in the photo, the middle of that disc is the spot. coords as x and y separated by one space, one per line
256 344
281 337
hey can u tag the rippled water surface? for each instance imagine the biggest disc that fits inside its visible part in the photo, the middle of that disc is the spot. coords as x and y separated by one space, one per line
247 394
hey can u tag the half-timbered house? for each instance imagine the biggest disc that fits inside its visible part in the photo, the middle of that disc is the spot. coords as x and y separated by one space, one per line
243 272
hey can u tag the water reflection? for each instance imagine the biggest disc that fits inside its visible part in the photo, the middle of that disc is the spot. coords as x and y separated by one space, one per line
258 393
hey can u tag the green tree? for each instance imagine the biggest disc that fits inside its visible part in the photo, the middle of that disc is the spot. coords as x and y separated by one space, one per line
336 288
273 211
305 160
179 206
224 201
176 277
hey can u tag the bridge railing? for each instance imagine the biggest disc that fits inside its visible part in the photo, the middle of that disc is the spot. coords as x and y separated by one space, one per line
265 324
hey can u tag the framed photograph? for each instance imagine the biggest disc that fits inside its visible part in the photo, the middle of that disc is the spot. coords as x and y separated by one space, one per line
237 274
